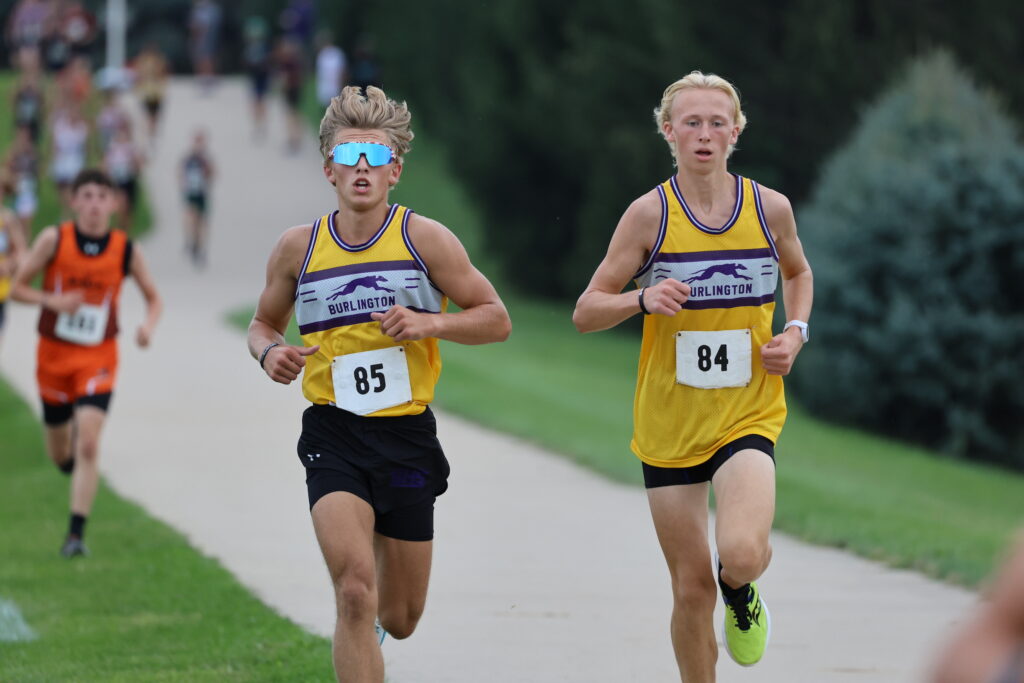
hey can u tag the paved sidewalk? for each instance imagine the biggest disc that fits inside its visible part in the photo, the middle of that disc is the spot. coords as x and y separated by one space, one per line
543 571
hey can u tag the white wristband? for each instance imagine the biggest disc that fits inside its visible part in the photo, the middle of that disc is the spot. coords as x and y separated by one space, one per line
803 329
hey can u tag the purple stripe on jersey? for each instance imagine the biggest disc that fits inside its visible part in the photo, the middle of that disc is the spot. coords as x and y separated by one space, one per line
763 222
661 233
704 304
693 219
306 301
342 271
340 321
369 243
308 291
412 250
343 320
309 252
691 256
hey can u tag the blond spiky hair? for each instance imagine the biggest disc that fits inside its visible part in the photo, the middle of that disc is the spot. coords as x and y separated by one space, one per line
372 111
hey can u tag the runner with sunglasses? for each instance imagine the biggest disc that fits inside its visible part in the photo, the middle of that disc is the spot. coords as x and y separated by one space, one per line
369 284
706 248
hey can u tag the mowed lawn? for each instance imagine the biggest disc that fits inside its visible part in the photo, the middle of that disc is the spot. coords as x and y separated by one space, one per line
144 607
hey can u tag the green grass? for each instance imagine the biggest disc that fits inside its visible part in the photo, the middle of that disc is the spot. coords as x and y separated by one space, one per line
49 212
574 394
144 606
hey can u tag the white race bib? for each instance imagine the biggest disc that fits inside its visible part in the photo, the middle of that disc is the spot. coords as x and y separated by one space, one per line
369 381
713 360
86 326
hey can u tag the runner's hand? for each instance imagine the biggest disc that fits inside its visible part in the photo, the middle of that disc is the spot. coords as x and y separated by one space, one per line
778 354
667 297
143 336
67 302
403 324
284 363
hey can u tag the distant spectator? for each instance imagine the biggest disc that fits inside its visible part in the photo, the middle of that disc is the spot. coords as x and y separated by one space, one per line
28 104
258 66
150 70
112 116
291 71
22 169
74 84
331 67
74 28
196 177
27 24
204 32
365 70
70 134
297 21
123 162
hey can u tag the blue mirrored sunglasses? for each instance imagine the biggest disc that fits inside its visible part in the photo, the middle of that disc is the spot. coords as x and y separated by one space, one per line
348 153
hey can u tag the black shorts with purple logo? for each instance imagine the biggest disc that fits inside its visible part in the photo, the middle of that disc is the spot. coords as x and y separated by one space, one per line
393 463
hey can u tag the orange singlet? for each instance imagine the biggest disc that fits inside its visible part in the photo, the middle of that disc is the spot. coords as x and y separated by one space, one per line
77 354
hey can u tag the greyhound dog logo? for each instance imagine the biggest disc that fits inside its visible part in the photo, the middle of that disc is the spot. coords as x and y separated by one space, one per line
731 269
368 281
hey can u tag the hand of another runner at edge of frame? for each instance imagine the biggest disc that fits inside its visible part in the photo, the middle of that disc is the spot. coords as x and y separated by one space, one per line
284 363
778 354
403 324
667 297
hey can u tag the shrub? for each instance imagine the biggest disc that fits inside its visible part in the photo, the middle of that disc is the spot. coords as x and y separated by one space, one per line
916 236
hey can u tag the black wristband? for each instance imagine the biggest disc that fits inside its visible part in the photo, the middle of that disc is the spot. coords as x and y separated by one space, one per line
263 356
643 309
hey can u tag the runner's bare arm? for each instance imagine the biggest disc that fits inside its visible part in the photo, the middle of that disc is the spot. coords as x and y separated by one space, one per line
780 352
483 318
43 249
282 363
154 304
16 244
603 304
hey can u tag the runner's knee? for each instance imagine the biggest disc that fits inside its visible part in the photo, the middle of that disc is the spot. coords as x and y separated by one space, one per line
356 594
87 448
400 621
744 559
695 594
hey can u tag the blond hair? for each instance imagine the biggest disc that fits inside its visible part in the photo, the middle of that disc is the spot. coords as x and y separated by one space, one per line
372 111
697 80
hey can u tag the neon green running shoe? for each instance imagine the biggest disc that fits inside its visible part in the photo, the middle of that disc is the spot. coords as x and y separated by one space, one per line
747 628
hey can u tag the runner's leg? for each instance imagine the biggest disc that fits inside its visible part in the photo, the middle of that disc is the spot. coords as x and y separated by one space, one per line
84 480
681 521
744 509
403 573
344 529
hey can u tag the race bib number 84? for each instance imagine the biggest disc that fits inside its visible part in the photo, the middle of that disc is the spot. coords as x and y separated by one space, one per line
369 381
713 360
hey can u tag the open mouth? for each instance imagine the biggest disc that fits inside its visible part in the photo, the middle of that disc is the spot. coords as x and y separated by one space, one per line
703 153
362 184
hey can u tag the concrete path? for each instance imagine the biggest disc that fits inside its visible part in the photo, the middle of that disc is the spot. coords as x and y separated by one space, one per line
543 571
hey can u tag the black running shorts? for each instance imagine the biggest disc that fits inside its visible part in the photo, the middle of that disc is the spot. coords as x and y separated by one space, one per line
673 476
393 463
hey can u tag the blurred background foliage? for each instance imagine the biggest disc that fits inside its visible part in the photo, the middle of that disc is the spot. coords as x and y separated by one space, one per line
891 125
916 233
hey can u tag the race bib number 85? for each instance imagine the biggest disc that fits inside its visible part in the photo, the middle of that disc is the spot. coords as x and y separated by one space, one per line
369 381
713 360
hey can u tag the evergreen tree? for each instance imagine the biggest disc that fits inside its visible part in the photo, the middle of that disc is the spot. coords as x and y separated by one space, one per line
916 237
